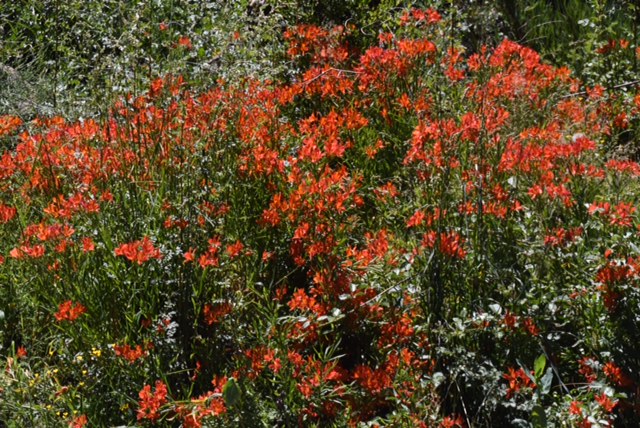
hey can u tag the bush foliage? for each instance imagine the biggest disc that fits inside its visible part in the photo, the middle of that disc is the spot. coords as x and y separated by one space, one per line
394 228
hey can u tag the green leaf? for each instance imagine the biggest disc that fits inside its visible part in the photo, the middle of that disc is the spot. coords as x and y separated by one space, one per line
539 365
538 416
546 381
231 392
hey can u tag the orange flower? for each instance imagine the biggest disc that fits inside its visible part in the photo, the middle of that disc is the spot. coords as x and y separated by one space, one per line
451 422
374 381
518 379
235 249
130 354
78 421
151 402
416 219
531 327
21 352
69 311
7 213
139 251
616 375
607 403
575 408
88 245
8 124
190 255
587 366
214 313
185 42
449 243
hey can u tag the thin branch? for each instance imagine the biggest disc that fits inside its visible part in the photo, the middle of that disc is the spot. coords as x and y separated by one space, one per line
620 86
340 71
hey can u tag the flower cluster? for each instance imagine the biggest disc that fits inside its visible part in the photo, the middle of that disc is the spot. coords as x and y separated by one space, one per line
380 239
69 311
151 402
139 251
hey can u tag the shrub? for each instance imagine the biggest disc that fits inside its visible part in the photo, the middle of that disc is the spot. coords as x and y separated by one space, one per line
401 235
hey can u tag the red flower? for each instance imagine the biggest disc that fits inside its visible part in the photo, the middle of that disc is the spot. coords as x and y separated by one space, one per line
235 249
69 311
561 236
139 251
7 213
150 403
621 121
156 86
88 245
607 403
510 320
190 255
374 381
418 16
130 354
185 42
587 366
35 251
518 379
531 327
300 300
575 408
416 219
78 421
615 374
449 243
622 215
214 313
210 258
450 422
8 124
21 352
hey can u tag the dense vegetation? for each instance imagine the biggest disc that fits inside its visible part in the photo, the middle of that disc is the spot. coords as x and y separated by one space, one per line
319 214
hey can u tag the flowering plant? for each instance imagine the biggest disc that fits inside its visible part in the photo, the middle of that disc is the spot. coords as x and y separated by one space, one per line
402 235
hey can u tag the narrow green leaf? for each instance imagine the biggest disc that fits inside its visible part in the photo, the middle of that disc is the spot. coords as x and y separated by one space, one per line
539 365
538 417
231 392
546 381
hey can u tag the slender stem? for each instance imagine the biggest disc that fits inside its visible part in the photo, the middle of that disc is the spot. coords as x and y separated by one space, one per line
612 88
